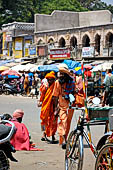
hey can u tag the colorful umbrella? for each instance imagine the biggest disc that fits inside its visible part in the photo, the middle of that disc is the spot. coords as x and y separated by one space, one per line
77 68
87 66
47 68
10 72
3 68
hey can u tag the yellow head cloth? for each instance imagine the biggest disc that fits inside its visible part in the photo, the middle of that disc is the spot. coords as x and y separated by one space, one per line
50 75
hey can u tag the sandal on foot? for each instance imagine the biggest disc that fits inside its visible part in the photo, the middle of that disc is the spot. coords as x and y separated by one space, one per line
64 146
43 139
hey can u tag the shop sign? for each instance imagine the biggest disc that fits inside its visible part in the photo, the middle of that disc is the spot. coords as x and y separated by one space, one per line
8 37
5 52
32 50
18 54
61 53
105 52
29 37
18 45
42 51
87 52
111 52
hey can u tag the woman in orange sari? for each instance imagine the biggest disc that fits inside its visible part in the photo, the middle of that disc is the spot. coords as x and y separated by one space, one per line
26 85
47 117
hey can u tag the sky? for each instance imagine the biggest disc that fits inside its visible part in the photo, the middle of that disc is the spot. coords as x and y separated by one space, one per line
108 1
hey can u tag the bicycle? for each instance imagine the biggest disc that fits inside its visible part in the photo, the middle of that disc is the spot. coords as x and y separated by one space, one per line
75 149
104 160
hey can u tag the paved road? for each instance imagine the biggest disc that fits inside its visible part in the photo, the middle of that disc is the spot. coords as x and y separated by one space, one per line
52 158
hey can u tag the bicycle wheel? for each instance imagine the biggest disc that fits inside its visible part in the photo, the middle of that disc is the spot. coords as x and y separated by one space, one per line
73 154
4 162
104 160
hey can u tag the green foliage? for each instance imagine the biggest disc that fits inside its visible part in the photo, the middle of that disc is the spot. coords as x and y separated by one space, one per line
24 10
96 5
64 5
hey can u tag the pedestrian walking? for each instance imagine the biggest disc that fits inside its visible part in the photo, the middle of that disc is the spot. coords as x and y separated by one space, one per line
63 87
48 120
26 85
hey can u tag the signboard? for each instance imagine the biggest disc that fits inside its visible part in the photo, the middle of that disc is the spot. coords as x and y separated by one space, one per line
87 52
26 47
5 52
61 53
18 54
32 50
18 44
42 51
105 52
8 38
111 52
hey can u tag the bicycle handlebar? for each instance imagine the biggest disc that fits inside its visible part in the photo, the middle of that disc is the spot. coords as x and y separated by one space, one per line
6 139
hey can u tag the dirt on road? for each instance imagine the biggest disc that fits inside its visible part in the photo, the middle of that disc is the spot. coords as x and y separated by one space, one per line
52 158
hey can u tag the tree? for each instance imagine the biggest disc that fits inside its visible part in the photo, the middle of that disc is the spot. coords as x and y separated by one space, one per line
24 10
64 5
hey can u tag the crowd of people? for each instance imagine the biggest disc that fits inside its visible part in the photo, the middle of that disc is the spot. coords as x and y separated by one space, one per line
57 92
26 84
54 100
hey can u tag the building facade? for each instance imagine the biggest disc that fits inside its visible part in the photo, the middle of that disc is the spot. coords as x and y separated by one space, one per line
17 37
76 30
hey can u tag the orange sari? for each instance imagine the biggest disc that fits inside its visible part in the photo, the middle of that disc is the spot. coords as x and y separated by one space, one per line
47 114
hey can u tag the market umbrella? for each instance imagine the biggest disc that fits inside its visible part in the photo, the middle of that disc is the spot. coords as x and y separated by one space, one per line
3 68
18 67
48 68
29 66
77 68
102 67
10 72
34 69
88 66
78 72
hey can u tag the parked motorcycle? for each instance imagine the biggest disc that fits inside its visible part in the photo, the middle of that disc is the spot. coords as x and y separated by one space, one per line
6 148
1 86
12 89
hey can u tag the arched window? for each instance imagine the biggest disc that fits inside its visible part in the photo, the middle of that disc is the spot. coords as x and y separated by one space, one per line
73 42
86 41
50 44
40 42
109 40
62 42
51 41
97 43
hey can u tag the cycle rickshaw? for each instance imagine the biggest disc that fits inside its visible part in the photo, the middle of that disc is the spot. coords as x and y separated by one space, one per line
75 148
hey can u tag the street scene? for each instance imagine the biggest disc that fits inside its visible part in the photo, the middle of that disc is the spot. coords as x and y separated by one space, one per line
56 85
53 156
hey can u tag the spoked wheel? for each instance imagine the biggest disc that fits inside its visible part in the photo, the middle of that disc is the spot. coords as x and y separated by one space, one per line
73 155
4 162
104 159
